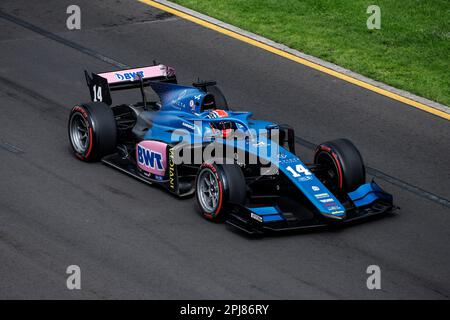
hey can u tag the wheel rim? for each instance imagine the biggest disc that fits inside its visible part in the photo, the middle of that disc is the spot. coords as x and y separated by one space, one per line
208 191
79 133
331 174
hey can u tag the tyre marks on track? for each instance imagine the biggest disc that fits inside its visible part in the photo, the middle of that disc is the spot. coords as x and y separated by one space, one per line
61 40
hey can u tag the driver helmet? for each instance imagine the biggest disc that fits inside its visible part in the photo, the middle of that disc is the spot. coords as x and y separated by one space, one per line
225 127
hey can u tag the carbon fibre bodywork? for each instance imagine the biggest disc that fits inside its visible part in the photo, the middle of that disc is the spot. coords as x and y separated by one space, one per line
290 197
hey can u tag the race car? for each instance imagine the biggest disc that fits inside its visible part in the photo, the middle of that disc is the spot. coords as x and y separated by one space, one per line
258 185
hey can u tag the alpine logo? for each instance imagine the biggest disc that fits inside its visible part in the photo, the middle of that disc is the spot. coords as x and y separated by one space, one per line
129 75
150 159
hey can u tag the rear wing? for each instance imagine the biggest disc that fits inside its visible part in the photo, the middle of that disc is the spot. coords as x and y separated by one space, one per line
101 84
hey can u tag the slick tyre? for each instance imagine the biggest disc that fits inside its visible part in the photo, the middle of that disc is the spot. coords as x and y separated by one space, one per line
92 131
344 165
219 98
217 188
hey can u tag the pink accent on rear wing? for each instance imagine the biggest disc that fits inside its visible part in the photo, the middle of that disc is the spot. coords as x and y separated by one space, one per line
132 74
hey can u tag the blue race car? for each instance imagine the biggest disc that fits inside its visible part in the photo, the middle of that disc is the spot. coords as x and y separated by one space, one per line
242 171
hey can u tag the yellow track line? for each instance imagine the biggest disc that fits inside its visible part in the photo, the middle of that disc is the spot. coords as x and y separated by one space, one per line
292 57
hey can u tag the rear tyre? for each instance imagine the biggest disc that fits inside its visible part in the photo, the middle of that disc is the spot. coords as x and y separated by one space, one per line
219 98
218 187
92 131
344 165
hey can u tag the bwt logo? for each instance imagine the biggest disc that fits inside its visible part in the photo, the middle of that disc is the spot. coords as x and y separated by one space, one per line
149 158
129 75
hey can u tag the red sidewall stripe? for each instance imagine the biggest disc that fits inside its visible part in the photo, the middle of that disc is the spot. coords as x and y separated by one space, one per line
338 165
336 161
85 114
213 215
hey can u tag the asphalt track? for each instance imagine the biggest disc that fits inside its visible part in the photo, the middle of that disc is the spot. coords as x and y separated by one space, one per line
135 241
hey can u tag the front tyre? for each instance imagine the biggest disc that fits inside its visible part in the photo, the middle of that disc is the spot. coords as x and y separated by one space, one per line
92 131
218 187
342 165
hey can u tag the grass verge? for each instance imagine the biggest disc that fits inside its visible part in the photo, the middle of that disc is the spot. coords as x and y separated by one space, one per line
411 50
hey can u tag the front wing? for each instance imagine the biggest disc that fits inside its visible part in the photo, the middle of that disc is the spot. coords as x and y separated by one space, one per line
367 201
